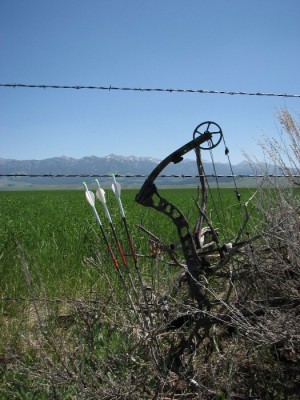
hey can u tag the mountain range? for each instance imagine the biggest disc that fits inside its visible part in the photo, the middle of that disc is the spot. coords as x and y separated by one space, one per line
107 165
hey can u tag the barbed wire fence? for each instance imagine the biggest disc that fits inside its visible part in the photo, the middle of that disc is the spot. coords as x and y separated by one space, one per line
133 89
16 175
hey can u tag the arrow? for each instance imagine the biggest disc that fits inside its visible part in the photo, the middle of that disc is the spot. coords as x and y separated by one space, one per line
90 197
100 193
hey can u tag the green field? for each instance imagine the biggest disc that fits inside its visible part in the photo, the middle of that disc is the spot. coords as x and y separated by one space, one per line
57 233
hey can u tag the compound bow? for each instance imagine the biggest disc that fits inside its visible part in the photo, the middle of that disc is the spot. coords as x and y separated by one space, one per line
206 136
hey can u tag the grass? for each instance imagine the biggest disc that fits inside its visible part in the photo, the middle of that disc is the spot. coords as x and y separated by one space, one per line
57 232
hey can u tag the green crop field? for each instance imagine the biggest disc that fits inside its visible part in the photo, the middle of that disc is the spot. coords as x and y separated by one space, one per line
57 233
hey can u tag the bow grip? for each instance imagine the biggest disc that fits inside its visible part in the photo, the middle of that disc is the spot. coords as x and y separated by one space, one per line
145 195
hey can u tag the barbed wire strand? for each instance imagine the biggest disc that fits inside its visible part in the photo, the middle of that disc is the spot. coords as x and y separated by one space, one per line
133 89
16 175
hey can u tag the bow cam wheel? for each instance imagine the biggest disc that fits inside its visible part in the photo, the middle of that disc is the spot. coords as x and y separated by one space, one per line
212 128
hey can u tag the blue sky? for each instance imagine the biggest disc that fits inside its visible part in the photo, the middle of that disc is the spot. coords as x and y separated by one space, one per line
230 45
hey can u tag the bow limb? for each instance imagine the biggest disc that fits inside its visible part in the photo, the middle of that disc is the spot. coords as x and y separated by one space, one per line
175 158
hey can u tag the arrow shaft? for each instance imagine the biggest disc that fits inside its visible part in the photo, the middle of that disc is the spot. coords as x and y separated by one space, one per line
122 254
133 254
121 207
108 245
126 227
107 213
121 251
119 246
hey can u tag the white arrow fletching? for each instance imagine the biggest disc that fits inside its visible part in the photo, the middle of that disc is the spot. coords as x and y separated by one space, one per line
101 195
90 197
116 188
